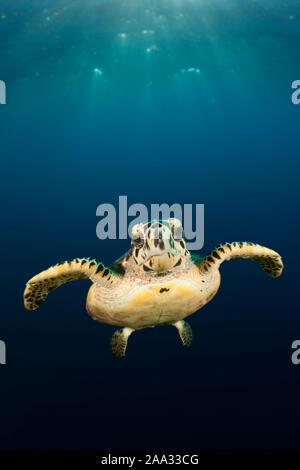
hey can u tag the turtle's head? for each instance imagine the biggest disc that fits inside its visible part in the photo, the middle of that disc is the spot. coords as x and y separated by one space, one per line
158 245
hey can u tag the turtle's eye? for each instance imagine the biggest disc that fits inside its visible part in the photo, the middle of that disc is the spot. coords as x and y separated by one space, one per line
138 242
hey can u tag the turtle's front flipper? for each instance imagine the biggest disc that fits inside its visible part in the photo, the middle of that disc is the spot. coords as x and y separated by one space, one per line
119 341
185 332
38 287
269 260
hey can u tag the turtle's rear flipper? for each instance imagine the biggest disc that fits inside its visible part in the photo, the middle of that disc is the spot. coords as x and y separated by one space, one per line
185 332
119 341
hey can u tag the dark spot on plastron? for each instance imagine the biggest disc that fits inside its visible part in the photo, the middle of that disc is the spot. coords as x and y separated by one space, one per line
92 263
221 249
151 263
161 245
210 259
156 242
145 268
205 267
216 255
164 289
240 244
105 272
136 252
182 244
83 262
178 263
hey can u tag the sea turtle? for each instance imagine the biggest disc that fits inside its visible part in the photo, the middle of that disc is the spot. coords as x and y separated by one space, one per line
157 282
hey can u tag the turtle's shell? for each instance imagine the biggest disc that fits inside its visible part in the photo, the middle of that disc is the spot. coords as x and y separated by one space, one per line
140 301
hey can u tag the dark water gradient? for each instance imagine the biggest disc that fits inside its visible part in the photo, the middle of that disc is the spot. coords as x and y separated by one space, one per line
227 137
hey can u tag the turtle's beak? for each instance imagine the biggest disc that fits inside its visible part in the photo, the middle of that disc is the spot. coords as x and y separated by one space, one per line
162 262
155 252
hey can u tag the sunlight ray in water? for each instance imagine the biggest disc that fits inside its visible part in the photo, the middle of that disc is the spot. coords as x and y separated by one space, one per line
118 46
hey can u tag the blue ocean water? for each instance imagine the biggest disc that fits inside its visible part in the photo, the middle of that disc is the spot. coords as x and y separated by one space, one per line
162 101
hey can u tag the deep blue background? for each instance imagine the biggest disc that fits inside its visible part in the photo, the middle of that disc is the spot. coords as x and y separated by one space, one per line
72 139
